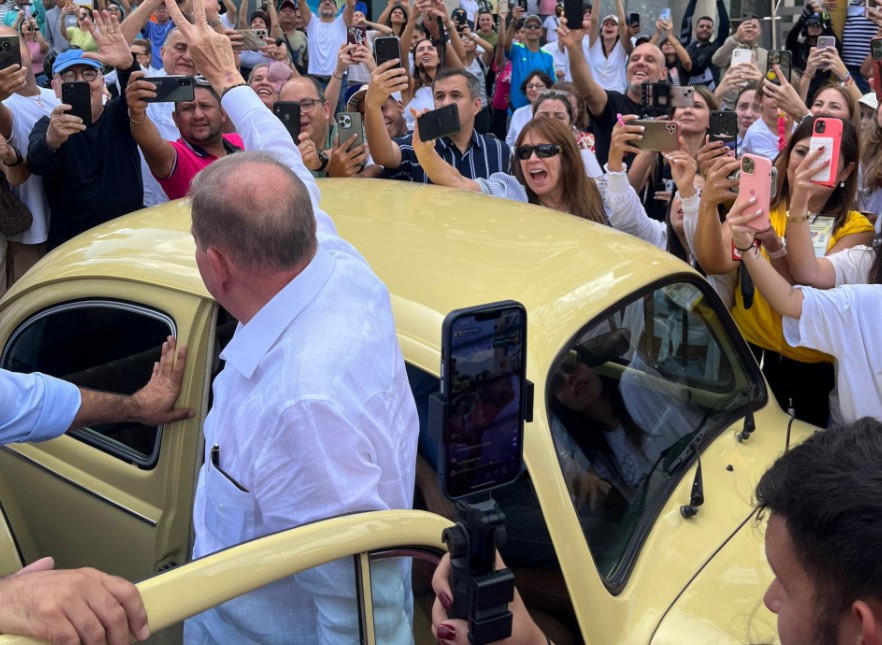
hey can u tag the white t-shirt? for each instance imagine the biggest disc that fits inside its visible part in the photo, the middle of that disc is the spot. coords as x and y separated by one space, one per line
759 140
842 323
422 100
519 119
324 39
26 111
608 72
550 24
852 266
471 9
561 60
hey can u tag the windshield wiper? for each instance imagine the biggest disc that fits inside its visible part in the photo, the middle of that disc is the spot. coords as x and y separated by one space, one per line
696 498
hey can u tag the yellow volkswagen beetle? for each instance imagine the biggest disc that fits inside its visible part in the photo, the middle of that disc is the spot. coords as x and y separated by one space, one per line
647 403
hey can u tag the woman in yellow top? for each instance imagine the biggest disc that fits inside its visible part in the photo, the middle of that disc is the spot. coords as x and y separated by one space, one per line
78 35
800 378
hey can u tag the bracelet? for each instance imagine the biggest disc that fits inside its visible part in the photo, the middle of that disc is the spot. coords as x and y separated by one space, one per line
137 122
780 253
743 251
18 159
232 87
799 219
339 78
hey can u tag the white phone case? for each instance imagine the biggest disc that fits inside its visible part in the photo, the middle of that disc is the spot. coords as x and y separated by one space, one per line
823 175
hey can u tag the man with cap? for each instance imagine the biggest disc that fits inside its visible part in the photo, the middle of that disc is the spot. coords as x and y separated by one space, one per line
91 173
325 34
392 110
702 49
526 57
293 36
607 48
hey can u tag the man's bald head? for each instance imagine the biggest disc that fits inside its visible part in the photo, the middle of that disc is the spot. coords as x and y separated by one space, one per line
262 229
646 64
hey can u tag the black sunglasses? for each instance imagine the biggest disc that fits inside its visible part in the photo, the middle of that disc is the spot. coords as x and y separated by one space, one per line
542 150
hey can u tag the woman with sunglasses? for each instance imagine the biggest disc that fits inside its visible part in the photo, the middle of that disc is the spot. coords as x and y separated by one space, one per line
36 44
536 82
79 35
547 170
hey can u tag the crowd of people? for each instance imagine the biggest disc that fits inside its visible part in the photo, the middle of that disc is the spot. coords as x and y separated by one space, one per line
547 113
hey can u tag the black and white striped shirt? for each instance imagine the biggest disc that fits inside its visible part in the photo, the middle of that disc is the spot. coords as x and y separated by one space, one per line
485 155
856 36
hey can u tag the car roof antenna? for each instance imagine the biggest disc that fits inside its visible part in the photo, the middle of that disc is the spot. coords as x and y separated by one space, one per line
696 499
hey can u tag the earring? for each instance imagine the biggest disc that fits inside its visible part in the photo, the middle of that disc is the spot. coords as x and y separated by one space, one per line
842 184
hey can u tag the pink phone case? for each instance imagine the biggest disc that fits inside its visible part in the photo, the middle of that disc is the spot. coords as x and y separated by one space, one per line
827 133
756 183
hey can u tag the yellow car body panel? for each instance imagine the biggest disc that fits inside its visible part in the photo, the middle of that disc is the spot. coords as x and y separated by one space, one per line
437 250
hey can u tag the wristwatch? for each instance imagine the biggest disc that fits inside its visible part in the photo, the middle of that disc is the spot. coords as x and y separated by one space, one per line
323 158
18 159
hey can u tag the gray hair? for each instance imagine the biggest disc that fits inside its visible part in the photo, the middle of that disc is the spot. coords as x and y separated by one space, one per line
472 80
259 228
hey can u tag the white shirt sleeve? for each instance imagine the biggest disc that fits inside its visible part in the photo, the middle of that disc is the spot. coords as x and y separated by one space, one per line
828 321
852 266
501 184
627 214
36 407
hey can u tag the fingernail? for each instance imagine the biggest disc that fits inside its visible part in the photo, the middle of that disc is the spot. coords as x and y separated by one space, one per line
446 632
445 600
143 633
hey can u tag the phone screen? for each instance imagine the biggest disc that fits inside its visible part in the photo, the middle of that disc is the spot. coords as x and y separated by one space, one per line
484 373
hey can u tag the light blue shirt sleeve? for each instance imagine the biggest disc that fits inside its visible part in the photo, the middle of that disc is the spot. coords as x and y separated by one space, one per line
36 407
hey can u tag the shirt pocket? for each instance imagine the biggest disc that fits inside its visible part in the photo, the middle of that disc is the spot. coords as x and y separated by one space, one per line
229 511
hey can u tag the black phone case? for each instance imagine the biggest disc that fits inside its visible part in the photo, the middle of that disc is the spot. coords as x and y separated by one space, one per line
386 48
439 123
573 12
289 114
172 89
724 127
9 52
78 96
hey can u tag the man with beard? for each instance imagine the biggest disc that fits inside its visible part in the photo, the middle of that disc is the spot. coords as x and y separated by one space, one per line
646 64
200 121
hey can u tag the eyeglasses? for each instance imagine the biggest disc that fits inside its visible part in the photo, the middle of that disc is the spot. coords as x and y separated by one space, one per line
71 75
141 54
307 105
537 86
542 150
554 94
532 26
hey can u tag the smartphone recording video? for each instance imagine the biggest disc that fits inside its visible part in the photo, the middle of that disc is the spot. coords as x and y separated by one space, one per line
482 377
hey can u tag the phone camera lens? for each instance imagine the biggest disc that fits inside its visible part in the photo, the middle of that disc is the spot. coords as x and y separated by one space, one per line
747 165
820 127
182 83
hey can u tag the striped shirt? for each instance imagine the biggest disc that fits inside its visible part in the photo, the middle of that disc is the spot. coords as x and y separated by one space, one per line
856 36
485 156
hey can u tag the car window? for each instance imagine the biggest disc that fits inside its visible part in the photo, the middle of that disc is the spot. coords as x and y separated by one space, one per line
630 397
101 345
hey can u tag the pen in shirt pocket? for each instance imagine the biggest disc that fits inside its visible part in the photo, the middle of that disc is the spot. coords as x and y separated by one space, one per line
215 461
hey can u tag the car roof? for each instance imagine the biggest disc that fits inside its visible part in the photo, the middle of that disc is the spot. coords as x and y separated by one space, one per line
436 248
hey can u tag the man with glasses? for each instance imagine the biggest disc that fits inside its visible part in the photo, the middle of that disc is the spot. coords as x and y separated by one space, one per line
91 173
317 130
202 141
526 57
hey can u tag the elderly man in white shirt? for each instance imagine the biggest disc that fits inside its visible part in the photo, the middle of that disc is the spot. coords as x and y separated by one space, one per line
313 415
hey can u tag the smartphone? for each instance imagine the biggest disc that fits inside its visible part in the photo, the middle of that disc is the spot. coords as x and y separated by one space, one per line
172 89
755 180
10 54
876 54
349 123
665 14
386 48
439 123
78 95
741 56
724 127
663 136
634 19
656 95
827 134
682 96
483 368
826 41
783 59
254 38
289 114
356 35
574 13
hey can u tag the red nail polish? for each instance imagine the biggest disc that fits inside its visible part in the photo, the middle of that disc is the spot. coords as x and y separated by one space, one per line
445 600
446 632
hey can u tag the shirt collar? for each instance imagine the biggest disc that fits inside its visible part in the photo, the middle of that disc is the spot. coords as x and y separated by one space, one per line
476 141
253 341
202 153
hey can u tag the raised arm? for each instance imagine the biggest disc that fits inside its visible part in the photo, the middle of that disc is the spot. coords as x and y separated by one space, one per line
438 170
159 153
725 25
348 12
595 96
276 31
682 54
686 23
624 33
305 13
134 23
713 248
387 78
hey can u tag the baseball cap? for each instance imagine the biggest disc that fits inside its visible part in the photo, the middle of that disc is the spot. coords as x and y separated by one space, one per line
287 3
357 93
532 16
612 17
869 99
73 57
362 7
813 19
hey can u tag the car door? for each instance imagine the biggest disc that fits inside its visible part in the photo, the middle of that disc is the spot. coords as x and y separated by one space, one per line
117 497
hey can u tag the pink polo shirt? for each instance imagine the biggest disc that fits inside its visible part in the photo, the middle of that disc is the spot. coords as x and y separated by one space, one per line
190 160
